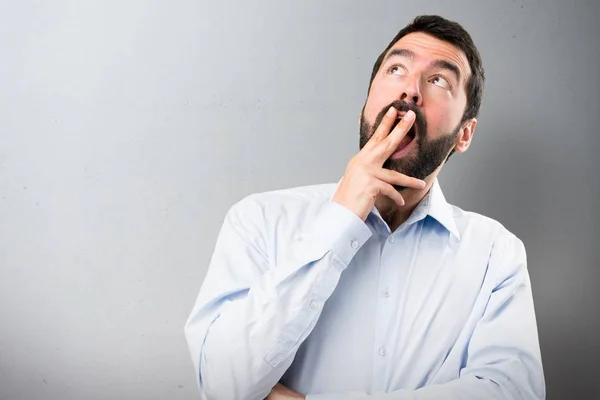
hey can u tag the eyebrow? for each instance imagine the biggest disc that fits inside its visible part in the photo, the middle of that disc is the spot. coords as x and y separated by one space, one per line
441 64
401 53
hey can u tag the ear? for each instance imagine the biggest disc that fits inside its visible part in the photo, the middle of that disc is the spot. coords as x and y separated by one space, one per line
465 136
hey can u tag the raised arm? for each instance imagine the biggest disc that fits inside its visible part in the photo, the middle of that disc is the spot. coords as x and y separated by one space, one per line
251 316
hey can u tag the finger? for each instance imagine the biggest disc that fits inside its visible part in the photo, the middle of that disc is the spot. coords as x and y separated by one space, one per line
384 127
389 191
388 145
396 178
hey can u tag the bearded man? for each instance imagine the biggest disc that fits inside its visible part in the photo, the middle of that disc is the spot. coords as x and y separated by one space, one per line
375 287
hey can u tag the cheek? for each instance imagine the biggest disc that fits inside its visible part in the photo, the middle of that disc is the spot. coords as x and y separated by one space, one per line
438 123
444 114
441 119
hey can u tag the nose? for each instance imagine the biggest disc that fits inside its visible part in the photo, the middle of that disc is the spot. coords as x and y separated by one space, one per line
411 93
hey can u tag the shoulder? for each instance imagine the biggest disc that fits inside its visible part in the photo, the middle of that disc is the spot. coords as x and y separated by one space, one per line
283 203
505 251
472 224
274 218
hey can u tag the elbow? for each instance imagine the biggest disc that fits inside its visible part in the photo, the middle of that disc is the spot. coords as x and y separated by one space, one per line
211 390
227 382
517 386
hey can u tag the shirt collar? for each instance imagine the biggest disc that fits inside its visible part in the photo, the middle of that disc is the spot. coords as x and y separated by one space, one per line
433 204
439 209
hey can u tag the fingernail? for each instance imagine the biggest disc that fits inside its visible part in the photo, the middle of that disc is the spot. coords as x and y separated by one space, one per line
391 112
409 115
423 183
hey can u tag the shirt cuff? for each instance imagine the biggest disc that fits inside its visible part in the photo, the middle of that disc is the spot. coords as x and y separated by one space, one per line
338 229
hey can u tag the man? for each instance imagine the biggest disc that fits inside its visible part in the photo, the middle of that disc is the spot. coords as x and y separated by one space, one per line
375 287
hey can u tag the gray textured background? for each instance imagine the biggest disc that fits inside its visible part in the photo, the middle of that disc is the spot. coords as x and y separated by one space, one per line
128 128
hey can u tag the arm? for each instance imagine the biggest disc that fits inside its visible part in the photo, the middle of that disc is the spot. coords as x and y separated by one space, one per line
503 356
251 317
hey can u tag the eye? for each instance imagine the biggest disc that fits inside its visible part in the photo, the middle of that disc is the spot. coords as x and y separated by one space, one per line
440 81
396 69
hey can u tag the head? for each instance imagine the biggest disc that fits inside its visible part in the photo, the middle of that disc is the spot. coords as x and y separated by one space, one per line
433 68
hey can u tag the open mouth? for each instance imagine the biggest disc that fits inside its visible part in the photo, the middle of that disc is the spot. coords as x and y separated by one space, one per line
406 140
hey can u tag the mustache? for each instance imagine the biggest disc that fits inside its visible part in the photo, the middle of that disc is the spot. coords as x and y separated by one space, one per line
419 126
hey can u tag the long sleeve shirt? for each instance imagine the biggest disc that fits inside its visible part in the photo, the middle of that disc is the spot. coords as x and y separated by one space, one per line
301 291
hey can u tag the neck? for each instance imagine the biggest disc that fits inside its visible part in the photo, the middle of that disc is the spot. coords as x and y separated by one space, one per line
395 215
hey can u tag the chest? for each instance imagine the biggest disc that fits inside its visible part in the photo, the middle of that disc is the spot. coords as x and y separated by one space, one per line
402 307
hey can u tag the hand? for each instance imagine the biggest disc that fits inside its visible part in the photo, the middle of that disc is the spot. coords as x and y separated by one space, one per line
281 392
365 178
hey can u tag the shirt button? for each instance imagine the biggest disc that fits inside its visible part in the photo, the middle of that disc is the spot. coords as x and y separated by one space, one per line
354 244
391 239
382 351
386 293
314 304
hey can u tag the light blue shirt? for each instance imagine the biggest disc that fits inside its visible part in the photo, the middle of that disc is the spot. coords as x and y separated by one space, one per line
301 291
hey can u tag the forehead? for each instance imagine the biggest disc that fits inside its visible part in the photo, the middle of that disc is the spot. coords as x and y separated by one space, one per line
428 48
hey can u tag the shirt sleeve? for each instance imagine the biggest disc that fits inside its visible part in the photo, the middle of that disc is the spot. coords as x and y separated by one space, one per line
503 356
251 316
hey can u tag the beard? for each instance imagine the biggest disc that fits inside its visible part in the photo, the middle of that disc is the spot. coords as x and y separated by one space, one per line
430 153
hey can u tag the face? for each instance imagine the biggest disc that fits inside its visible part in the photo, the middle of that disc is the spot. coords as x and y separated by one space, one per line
426 75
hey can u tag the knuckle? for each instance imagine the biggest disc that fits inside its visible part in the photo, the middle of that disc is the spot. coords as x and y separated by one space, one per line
390 146
354 162
371 191
371 186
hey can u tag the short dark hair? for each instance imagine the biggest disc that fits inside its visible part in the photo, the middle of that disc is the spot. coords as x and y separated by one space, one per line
453 33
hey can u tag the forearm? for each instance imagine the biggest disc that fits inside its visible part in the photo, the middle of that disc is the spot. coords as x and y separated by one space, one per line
246 334
252 343
465 388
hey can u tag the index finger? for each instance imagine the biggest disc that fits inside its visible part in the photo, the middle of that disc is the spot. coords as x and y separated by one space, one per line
384 128
388 145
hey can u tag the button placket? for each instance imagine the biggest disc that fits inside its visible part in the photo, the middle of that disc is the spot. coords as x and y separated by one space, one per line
385 307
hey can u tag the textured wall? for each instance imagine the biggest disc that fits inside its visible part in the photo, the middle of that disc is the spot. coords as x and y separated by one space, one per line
128 128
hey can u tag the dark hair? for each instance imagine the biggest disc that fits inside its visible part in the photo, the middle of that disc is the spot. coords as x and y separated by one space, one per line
455 34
